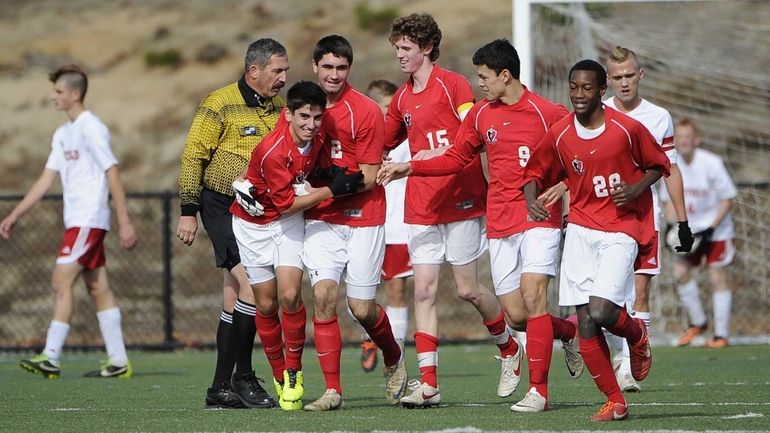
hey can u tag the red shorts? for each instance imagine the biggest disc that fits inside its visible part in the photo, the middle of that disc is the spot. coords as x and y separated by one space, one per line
396 264
82 245
718 254
648 260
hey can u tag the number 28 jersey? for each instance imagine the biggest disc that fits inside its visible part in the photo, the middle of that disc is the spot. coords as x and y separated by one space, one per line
592 167
430 119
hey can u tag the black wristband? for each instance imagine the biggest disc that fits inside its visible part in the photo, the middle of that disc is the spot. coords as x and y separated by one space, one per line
190 209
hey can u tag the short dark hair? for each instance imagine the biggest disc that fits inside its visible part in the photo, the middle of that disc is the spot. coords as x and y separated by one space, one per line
498 55
335 45
590 65
74 77
261 50
421 29
379 89
305 93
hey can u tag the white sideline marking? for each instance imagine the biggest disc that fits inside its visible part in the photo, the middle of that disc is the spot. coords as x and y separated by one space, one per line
744 415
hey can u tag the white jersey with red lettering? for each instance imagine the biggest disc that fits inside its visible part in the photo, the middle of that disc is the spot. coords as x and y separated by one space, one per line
396 231
81 154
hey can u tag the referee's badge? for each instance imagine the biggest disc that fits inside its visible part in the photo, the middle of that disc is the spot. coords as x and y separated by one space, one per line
578 166
491 135
247 131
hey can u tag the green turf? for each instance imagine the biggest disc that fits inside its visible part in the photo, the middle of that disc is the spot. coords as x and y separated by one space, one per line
688 389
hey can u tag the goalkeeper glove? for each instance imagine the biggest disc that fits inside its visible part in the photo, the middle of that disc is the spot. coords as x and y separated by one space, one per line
344 184
685 238
243 190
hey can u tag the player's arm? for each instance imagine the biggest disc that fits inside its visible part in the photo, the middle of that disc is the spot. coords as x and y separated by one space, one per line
542 167
126 230
35 193
651 158
395 130
623 193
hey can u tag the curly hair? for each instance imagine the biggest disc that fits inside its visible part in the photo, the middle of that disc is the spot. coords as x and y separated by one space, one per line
420 29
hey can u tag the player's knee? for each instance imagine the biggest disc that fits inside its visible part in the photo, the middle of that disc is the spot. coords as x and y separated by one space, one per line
600 313
469 293
291 301
424 294
266 306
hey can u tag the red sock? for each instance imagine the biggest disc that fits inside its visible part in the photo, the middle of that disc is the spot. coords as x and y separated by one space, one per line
564 329
427 357
627 327
539 351
382 335
501 336
269 330
328 344
294 336
596 356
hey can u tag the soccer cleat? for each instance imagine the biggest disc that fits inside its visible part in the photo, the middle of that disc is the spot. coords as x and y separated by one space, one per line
251 394
423 397
641 356
396 381
717 343
412 385
510 373
41 364
626 381
107 370
283 404
532 402
368 355
331 400
690 333
572 357
293 388
611 411
222 397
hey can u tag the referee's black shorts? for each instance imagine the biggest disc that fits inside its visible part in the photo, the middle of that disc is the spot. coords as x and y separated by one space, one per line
218 222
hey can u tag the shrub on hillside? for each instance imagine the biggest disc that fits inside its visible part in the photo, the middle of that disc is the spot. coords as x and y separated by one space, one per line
375 20
170 58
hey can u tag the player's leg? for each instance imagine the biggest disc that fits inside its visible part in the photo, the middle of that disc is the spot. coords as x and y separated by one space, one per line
719 257
395 289
325 256
689 296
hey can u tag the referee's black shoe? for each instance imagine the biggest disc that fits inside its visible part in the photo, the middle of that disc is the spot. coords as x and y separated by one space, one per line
247 388
222 397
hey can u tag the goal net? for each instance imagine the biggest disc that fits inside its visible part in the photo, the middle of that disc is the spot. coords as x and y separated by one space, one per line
715 74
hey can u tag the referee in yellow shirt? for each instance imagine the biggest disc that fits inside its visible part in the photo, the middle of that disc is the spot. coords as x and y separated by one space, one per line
228 125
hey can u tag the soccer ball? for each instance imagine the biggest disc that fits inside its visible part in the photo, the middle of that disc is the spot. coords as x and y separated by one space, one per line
672 241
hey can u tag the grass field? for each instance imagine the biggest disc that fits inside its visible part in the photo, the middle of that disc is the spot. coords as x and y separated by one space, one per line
688 389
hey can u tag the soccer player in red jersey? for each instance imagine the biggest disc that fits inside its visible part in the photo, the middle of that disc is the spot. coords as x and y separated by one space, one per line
609 161
270 244
508 124
348 235
445 214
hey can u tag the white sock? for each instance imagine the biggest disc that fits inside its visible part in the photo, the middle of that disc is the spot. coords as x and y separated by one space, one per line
688 294
722 303
54 340
399 321
613 341
646 317
109 323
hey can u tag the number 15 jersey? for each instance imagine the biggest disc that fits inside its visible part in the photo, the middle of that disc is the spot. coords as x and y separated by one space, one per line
430 119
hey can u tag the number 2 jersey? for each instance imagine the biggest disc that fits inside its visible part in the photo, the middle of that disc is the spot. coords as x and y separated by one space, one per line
430 119
622 152
509 133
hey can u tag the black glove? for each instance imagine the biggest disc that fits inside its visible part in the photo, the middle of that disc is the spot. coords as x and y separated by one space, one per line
327 173
685 238
705 236
344 184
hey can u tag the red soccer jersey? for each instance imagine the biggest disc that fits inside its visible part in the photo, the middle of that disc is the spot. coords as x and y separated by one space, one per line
430 120
510 134
622 152
354 129
275 165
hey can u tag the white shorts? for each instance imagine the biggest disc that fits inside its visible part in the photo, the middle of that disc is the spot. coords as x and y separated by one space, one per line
596 263
331 249
458 243
533 251
264 247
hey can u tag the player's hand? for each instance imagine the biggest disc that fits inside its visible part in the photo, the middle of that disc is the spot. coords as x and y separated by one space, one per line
7 225
327 173
537 210
127 235
243 190
554 194
428 154
623 193
686 238
301 189
346 184
389 172
386 156
187 228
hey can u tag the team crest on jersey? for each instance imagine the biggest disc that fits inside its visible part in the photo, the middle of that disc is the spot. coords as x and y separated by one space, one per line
491 135
408 120
578 166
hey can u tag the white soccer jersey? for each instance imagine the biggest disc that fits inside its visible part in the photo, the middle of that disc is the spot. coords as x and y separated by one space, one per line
658 121
81 154
395 229
706 183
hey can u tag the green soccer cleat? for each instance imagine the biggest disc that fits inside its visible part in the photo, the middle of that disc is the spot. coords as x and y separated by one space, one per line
107 370
42 365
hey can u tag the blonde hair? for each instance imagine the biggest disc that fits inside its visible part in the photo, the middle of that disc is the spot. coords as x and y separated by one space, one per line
621 54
